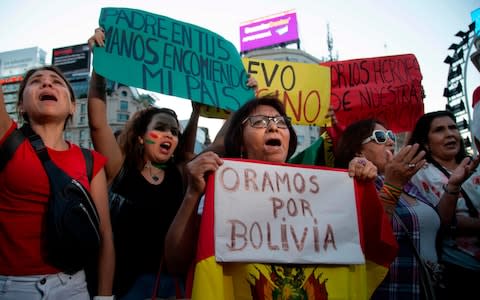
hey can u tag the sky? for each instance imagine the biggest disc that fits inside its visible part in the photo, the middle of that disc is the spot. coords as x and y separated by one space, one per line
360 29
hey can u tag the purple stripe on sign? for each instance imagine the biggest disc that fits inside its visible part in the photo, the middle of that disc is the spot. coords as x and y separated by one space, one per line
268 31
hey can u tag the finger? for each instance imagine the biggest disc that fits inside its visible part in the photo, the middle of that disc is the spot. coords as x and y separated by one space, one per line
400 155
475 162
330 112
420 155
464 163
411 152
413 170
372 173
91 42
355 165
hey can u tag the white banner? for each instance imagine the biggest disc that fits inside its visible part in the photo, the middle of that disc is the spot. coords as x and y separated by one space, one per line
285 214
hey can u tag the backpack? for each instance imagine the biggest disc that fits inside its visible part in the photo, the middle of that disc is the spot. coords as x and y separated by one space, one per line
72 223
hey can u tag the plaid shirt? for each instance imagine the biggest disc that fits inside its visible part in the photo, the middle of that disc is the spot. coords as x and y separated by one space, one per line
403 278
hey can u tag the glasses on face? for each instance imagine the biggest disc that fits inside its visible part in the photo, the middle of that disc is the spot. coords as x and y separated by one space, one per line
380 137
263 121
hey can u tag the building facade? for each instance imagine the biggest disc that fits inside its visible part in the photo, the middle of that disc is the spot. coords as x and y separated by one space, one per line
13 65
122 101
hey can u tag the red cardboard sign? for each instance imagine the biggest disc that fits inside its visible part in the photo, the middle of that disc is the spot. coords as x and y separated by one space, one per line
384 88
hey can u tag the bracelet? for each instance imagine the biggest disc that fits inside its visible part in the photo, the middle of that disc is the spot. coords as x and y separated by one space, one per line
453 193
104 297
393 187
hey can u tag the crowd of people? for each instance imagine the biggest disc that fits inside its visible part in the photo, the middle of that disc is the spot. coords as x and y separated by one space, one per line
429 190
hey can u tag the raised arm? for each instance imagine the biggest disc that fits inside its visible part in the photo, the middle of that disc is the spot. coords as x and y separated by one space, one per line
190 132
448 201
5 121
101 133
181 238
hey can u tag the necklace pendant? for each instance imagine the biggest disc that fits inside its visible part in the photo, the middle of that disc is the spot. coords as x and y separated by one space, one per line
155 178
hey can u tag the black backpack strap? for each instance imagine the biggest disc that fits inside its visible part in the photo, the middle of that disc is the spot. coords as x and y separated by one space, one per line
9 146
118 179
42 152
87 154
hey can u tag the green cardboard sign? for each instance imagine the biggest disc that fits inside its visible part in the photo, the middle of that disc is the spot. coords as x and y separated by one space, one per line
164 55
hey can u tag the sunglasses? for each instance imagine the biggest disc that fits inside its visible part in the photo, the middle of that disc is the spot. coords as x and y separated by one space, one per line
263 121
380 137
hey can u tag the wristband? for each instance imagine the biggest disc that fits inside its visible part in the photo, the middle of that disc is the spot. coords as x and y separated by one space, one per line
104 297
453 193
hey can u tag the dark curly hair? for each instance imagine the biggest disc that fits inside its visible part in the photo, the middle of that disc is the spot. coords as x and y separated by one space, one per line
234 134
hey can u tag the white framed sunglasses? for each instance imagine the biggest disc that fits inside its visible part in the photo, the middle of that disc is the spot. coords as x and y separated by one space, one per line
380 137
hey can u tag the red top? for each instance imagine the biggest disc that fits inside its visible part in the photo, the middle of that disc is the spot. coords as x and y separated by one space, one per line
24 191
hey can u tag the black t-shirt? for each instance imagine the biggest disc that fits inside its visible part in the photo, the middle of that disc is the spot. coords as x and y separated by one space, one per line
143 223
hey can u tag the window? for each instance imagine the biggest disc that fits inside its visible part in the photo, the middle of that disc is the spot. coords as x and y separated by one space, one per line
300 139
83 108
123 105
122 117
82 120
10 97
7 88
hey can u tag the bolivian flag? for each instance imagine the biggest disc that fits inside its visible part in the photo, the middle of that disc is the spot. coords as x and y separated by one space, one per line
320 153
215 281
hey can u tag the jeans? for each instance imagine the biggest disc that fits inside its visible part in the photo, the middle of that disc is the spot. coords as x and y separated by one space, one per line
44 287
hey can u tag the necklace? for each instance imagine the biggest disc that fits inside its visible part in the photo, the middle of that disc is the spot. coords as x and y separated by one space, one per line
149 165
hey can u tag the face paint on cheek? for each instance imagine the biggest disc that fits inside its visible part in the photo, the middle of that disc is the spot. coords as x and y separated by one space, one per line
153 135
148 141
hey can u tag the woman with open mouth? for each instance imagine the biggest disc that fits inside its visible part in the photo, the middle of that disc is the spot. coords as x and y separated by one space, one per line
451 183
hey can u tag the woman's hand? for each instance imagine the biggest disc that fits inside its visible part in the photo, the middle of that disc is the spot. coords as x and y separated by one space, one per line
196 107
252 83
461 173
402 166
363 169
331 115
97 39
198 168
